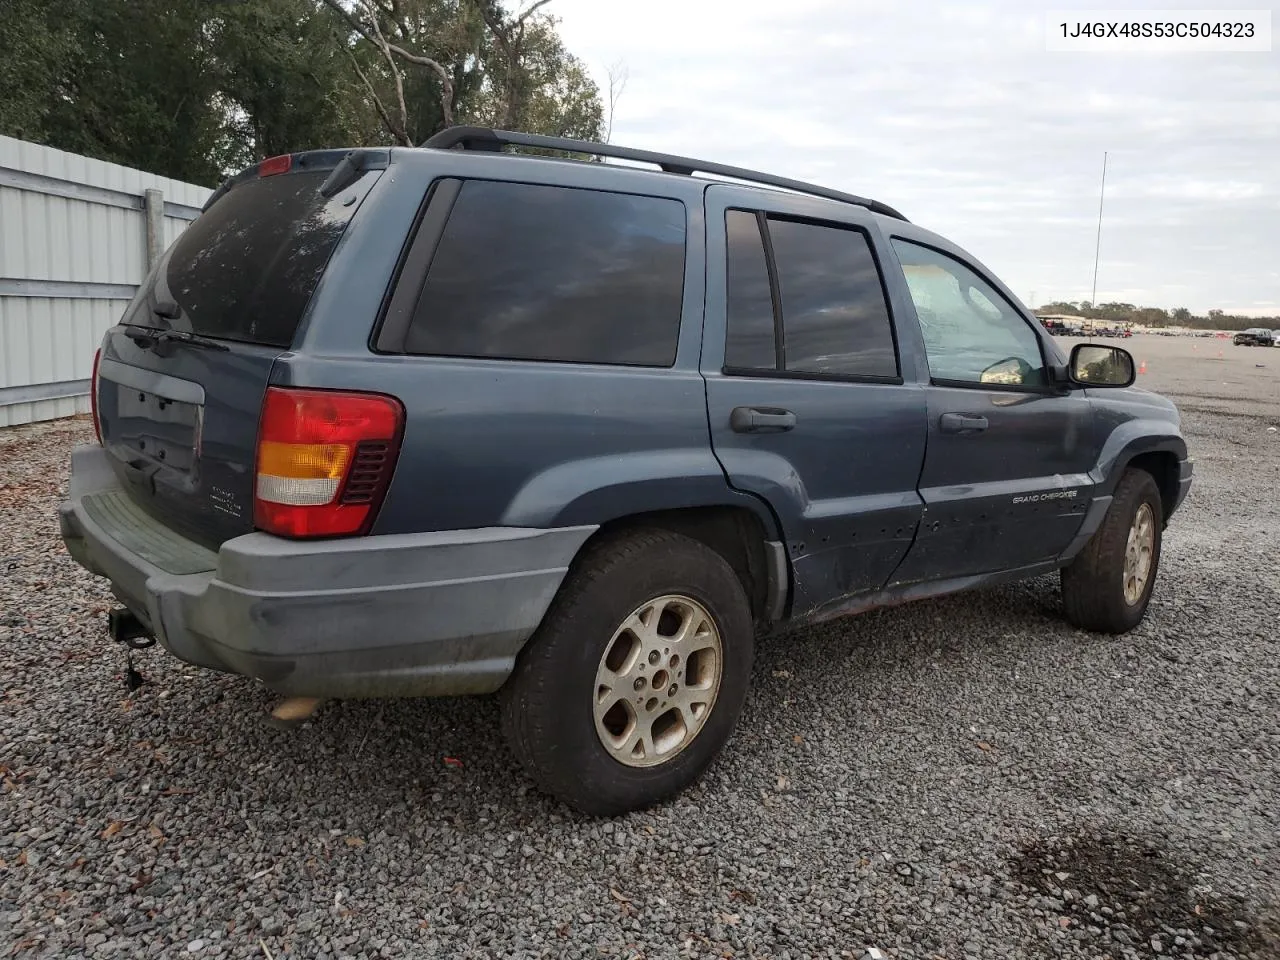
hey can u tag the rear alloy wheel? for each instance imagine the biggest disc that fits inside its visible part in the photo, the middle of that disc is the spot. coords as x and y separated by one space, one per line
637 675
657 681
1108 586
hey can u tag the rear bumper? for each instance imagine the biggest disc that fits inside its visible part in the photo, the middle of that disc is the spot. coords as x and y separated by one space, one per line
400 615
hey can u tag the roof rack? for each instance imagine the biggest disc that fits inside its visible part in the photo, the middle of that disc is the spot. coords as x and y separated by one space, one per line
492 141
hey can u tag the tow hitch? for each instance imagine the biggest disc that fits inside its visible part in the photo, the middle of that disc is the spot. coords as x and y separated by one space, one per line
127 629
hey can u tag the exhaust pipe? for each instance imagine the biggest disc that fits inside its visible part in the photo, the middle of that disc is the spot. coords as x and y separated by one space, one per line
126 628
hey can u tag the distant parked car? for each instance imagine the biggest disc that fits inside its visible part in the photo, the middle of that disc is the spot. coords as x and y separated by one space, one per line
1254 337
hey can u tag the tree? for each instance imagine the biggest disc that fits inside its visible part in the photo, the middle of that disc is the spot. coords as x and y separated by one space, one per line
130 82
426 64
286 79
1181 315
37 40
193 89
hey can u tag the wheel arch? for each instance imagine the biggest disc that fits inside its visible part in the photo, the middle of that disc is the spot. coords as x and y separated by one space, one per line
1163 466
735 532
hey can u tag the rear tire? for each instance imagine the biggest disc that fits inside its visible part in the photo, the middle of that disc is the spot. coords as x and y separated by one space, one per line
636 677
1107 587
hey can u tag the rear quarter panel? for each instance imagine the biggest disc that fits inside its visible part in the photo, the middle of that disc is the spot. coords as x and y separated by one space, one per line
516 443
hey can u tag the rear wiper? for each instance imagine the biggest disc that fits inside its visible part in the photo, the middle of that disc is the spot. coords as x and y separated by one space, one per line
148 337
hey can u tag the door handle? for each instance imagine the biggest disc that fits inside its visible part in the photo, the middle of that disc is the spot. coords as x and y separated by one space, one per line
962 423
761 420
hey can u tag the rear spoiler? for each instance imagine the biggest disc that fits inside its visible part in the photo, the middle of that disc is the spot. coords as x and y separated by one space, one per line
345 166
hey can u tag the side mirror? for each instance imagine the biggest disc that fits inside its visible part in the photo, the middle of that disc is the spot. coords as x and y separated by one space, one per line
1010 371
1093 365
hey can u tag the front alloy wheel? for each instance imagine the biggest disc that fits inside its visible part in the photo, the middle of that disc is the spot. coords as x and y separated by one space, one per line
1138 553
1107 587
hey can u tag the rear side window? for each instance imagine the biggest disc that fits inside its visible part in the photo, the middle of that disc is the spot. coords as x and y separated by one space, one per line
825 288
751 343
531 272
245 269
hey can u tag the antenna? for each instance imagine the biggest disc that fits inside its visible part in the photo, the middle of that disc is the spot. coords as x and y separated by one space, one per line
1093 297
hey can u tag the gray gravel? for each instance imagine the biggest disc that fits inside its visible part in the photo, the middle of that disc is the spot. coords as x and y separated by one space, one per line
967 777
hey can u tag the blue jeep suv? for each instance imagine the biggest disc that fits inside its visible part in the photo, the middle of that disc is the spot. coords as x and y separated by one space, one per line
453 420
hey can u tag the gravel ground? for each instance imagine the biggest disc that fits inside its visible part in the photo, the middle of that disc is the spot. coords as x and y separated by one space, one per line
966 777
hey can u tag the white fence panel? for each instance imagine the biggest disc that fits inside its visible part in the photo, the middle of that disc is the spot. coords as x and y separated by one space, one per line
73 249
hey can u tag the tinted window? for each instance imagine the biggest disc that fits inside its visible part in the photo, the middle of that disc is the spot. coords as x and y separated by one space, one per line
550 273
833 306
246 268
750 340
834 316
971 333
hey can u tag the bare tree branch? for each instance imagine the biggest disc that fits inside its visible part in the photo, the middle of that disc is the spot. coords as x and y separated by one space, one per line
619 74
391 62
531 11
378 105
392 9
446 81
510 36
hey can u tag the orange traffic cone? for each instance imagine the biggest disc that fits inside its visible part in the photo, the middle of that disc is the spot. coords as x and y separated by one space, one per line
1142 367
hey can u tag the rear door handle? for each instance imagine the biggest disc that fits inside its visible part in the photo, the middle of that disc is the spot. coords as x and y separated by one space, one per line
761 420
962 423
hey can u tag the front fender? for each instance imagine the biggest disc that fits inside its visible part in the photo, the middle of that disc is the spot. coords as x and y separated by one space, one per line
1132 439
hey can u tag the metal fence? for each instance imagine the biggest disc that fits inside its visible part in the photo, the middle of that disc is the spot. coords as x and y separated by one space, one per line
77 236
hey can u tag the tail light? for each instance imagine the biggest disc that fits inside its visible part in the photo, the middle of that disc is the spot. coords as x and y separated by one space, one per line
273 165
325 459
93 394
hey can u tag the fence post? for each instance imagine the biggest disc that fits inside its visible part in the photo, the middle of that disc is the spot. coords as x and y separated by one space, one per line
153 208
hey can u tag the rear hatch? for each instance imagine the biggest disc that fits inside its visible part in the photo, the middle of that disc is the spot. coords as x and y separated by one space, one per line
181 379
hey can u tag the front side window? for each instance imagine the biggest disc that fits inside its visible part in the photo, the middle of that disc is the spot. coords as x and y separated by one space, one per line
971 333
531 272
827 292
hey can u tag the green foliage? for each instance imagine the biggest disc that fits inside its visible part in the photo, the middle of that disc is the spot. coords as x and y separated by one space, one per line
193 89
35 38
1155 317
286 79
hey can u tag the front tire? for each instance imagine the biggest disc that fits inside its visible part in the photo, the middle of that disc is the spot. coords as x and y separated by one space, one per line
1107 588
636 677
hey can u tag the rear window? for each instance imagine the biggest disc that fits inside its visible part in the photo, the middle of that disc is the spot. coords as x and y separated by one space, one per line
246 269
530 272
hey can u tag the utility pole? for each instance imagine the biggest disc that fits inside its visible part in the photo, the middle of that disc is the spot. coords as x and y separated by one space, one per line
1097 250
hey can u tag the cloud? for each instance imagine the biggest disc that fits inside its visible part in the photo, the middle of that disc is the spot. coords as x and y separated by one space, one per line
958 116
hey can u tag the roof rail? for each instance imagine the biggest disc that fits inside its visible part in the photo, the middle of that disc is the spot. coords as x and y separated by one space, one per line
492 141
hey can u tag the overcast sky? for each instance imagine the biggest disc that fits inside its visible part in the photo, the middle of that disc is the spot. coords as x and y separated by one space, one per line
954 113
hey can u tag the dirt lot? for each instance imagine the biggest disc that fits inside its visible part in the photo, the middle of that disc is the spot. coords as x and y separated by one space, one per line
1207 375
965 777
